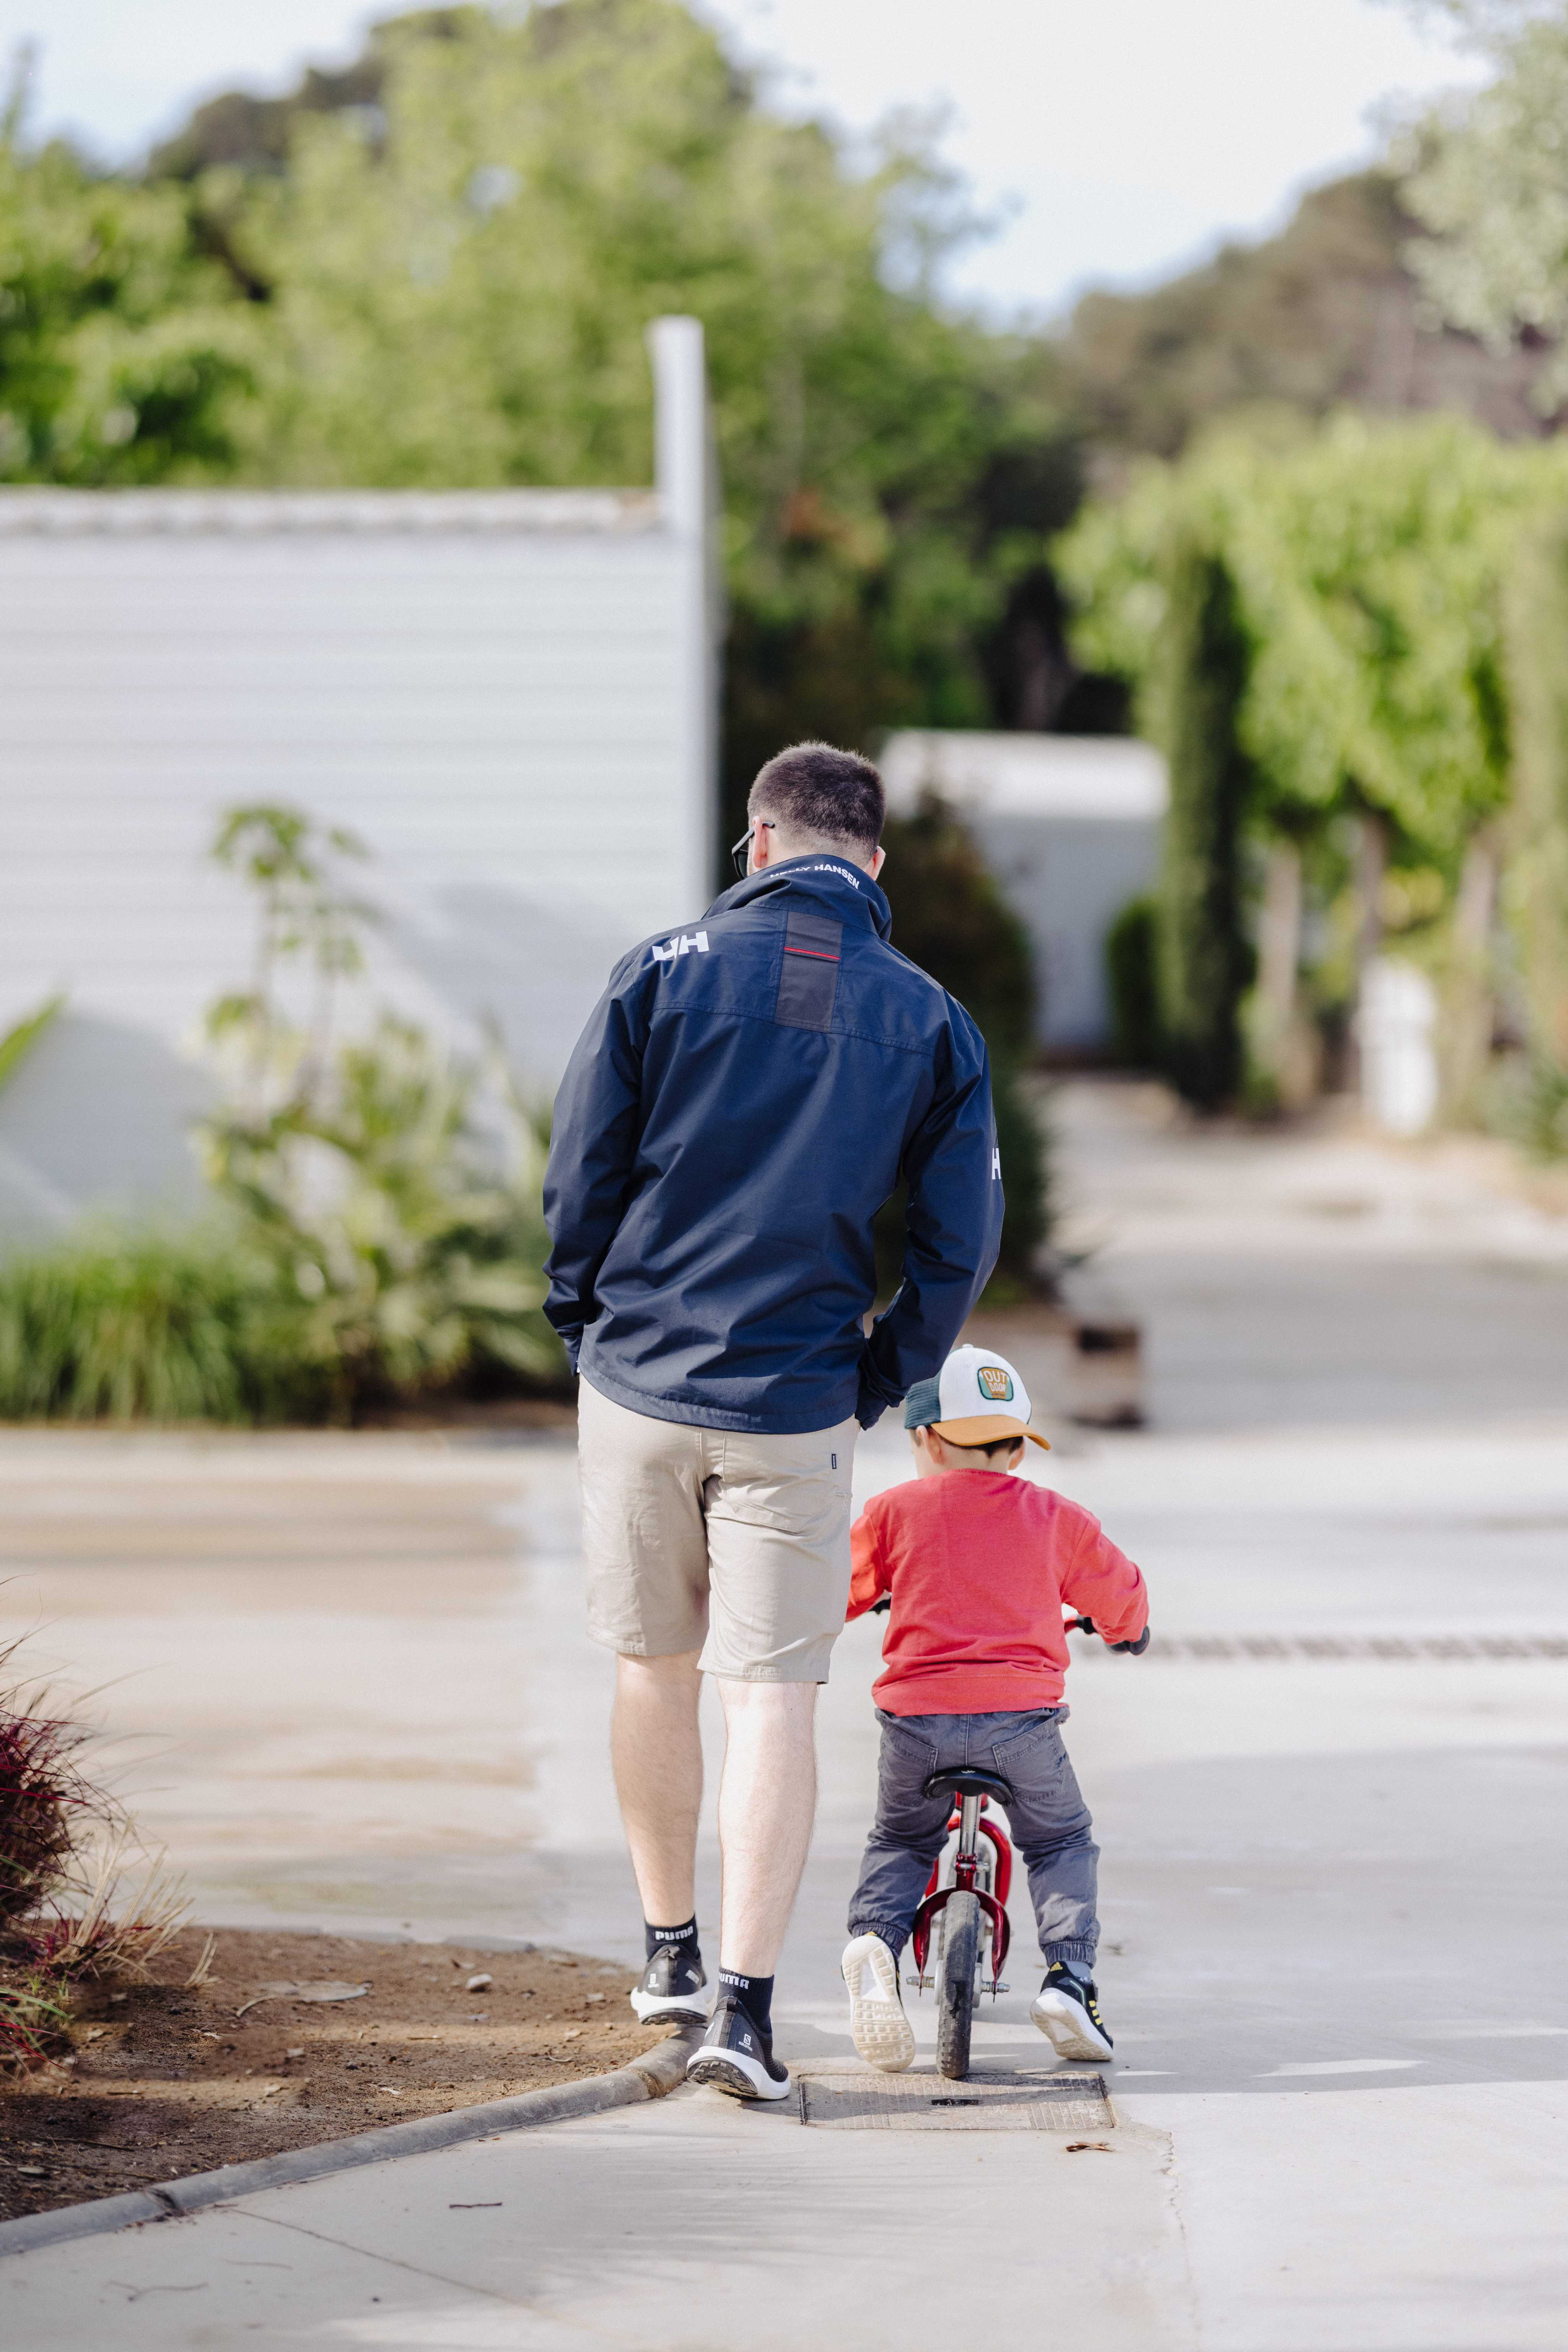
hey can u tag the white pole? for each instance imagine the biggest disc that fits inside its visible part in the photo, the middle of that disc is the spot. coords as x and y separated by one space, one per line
683 478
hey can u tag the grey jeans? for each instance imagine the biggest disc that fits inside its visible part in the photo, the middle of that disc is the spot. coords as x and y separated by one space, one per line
1047 1817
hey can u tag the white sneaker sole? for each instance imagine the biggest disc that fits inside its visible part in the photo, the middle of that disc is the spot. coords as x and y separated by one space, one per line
692 2007
883 2034
1068 2026
733 2070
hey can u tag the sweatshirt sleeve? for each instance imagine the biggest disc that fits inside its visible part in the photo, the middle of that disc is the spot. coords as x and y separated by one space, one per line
953 1228
871 1573
593 1144
1103 1583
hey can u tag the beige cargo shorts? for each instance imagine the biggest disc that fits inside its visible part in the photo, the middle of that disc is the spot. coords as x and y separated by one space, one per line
713 1539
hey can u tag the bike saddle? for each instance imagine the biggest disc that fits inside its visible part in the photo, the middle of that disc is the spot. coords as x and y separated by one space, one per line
964 1782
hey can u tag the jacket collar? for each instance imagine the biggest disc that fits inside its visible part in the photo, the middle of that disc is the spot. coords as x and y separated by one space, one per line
844 890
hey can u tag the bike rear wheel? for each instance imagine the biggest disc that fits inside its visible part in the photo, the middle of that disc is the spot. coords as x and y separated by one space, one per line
956 1984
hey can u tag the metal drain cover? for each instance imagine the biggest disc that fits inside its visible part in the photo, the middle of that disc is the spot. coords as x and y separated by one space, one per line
928 2102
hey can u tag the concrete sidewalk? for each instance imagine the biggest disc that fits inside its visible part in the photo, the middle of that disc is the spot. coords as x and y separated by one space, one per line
1335 1893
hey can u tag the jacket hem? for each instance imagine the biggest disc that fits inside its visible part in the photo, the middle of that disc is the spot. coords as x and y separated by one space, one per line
706 1416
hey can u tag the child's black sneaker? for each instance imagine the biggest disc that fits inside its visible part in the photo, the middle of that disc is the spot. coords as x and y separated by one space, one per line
1067 2013
737 2056
673 1987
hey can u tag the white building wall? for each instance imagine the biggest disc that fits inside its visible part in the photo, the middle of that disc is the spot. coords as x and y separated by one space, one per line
508 696
1071 826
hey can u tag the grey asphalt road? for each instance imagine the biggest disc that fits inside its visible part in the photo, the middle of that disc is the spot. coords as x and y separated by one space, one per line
354 1690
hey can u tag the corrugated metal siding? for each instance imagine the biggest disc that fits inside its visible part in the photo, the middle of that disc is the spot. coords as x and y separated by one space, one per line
497 712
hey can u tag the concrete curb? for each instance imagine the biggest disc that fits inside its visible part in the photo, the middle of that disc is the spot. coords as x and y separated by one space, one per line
656 2072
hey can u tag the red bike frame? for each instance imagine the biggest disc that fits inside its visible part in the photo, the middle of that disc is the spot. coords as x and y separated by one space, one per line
965 1866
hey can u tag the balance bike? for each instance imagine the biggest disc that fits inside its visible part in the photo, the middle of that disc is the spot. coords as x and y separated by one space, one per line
981 1872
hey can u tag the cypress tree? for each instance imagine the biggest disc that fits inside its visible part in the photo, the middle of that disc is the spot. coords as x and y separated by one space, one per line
1203 958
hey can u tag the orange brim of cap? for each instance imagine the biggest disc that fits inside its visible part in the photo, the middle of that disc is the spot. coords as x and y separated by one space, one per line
984 1429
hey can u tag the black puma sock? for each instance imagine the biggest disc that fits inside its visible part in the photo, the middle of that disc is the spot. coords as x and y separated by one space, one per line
754 1995
686 1937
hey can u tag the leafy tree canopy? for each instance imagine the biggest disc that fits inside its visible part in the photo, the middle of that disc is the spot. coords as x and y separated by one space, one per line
124 355
462 241
1489 176
1367 562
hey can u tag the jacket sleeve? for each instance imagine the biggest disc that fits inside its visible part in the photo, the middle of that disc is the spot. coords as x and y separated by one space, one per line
594 1143
870 1574
954 1226
1103 1583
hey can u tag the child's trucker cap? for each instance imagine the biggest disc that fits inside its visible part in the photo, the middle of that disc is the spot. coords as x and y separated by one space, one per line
976 1398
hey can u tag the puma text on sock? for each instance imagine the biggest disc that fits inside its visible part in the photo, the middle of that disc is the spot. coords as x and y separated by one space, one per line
654 1937
754 1995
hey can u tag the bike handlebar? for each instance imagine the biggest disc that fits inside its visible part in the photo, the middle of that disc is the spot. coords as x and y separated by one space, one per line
1087 1626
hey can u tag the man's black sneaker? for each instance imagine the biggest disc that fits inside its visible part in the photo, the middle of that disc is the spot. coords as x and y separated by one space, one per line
1067 2013
673 1987
737 2056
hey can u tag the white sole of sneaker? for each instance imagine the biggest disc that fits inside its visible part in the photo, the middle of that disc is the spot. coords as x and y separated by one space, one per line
883 2034
732 2070
1068 2027
690 2008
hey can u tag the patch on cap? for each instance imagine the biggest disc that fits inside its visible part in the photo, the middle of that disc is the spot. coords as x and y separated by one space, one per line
996 1382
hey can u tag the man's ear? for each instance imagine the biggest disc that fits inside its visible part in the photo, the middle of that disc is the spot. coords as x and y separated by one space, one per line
761 843
878 860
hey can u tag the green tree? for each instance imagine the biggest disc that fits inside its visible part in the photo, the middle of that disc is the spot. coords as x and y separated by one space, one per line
1196 688
125 357
459 276
1487 175
1366 567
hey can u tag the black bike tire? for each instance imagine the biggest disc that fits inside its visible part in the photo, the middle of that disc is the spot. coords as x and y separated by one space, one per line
956 1985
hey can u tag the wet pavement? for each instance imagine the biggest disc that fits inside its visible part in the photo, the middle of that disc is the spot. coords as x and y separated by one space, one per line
351 1688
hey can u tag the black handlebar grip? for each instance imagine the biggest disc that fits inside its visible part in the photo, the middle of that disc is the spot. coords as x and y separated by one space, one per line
880 1608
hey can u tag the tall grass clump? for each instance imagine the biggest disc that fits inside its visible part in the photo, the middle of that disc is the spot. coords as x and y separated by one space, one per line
79 1894
155 1326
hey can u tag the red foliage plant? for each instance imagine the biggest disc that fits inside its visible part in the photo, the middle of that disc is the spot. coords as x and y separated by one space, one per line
45 1799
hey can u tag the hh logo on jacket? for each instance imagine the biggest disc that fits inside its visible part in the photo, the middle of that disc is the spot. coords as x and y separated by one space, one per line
682 944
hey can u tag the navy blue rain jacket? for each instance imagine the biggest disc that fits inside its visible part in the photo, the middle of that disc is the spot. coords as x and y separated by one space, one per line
745 1097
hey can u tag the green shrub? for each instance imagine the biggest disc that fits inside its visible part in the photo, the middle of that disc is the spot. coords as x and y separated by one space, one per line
409 1245
1530 1105
950 918
1130 945
154 1326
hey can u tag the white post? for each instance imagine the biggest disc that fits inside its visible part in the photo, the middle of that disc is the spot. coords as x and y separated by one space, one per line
684 479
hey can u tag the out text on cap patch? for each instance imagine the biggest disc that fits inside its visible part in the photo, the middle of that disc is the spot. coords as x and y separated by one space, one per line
996 1384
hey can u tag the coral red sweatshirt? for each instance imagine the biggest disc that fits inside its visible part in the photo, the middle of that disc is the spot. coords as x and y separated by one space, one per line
979 1563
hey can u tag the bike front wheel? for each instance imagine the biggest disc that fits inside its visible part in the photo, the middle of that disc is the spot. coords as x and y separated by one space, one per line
956 1984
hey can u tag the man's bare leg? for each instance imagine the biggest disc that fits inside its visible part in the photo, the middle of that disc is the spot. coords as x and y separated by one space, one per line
656 1750
766 1801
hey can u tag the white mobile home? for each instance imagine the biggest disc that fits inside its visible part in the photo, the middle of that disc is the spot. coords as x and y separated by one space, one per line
508 695
1071 826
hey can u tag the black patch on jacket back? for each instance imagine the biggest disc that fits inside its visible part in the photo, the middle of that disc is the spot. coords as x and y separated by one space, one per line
809 979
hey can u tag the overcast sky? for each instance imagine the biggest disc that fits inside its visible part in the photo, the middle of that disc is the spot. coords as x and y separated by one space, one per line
1124 138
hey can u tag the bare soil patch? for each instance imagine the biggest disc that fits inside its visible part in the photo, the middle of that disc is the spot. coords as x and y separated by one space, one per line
161 2079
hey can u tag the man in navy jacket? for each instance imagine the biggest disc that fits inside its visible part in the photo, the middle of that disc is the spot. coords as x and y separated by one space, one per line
747 1093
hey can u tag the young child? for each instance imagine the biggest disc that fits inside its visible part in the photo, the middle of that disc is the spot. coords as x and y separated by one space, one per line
978 1563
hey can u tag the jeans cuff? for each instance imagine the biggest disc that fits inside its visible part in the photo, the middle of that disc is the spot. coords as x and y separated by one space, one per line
894 1938
1083 1953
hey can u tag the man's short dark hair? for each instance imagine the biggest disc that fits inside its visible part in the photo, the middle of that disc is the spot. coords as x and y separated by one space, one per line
830 795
